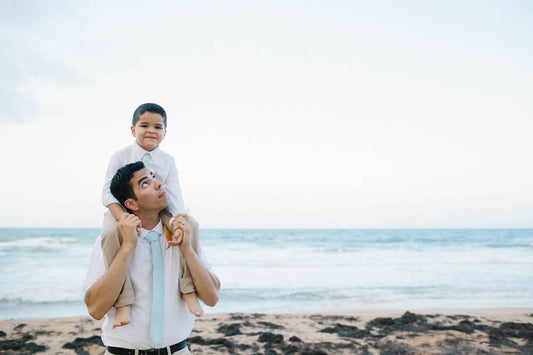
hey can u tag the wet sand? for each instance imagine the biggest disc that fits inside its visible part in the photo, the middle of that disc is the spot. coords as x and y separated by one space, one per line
477 331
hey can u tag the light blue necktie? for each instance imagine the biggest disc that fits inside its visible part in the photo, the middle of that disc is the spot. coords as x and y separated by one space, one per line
158 287
147 159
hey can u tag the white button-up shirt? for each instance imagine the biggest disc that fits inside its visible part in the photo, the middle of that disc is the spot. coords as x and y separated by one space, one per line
162 164
136 335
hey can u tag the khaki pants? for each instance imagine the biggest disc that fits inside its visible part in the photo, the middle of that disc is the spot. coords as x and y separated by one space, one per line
111 245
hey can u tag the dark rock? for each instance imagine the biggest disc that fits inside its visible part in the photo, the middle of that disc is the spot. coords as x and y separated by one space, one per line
518 330
315 351
347 331
270 338
467 351
217 341
295 339
79 344
408 322
395 348
271 325
2 333
500 336
289 349
497 337
271 352
195 340
243 346
238 316
464 326
230 329
20 326
320 318
22 345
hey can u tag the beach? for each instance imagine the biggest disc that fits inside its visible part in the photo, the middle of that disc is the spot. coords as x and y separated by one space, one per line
432 331
336 291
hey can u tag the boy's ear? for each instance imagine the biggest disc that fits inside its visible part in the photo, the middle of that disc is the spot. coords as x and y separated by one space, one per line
133 131
131 204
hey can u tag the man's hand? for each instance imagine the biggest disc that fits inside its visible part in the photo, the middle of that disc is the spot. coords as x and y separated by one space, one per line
129 228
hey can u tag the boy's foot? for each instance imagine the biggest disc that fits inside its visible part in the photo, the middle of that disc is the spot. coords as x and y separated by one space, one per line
122 316
192 302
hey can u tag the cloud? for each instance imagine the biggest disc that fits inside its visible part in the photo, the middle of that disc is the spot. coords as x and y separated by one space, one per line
29 59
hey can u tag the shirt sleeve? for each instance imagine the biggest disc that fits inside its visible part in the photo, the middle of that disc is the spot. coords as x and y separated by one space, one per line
96 267
114 164
173 189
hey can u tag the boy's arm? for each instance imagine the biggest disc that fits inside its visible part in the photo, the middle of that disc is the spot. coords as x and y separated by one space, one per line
100 297
173 189
117 211
116 162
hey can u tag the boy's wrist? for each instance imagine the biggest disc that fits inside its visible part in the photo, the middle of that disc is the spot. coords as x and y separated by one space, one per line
170 223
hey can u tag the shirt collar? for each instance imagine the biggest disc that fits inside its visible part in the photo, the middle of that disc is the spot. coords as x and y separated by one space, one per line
139 152
158 228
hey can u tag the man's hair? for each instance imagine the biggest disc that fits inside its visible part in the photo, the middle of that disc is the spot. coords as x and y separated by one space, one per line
149 107
121 186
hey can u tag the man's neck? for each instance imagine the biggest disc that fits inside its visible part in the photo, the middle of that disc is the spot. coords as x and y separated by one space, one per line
148 220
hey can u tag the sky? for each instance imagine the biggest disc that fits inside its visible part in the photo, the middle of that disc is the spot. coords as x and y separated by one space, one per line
281 114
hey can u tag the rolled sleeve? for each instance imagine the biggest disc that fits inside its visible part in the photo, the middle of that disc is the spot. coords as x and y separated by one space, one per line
115 163
96 266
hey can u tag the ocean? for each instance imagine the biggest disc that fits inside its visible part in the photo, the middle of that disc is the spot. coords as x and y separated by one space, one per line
294 270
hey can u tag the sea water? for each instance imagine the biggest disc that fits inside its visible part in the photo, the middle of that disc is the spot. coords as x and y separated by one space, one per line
294 270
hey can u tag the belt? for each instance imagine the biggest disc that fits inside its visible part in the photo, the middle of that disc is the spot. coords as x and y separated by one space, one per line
161 351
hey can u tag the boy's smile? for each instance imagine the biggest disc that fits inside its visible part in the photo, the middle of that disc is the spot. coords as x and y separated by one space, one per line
149 130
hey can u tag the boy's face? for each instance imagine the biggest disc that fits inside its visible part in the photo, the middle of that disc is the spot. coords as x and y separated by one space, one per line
149 130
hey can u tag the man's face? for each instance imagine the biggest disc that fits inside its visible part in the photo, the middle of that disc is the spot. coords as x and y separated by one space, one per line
149 130
150 193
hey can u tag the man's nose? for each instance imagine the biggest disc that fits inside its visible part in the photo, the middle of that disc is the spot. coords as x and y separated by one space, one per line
158 184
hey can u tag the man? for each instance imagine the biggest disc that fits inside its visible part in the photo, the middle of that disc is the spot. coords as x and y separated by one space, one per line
160 320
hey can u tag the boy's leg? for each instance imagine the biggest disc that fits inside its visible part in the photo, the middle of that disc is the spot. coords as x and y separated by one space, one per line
186 283
110 246
187 289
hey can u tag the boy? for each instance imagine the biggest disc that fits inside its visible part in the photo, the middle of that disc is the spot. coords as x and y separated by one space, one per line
149 124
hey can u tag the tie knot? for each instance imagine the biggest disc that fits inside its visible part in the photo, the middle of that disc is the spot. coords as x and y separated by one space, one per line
146 159
152 236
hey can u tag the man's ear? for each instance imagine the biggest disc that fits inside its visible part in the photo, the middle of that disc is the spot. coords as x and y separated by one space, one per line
131 204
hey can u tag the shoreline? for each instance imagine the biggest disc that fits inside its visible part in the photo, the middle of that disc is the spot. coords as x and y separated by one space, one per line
420 331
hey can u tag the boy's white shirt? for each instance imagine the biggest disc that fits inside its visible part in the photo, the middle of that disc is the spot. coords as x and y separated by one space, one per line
162 164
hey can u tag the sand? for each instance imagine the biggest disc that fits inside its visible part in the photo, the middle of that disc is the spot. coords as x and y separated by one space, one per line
481 331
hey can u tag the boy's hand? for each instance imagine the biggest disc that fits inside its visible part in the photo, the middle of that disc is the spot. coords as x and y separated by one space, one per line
129 228
177 237
182 228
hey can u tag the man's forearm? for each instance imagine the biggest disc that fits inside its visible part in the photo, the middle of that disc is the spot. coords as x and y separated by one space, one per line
205 282
101 296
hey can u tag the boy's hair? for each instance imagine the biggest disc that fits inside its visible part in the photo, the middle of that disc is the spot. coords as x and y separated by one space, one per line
149 107
121 186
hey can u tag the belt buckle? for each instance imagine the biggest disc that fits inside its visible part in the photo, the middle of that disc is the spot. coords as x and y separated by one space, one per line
153 351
